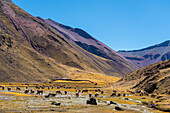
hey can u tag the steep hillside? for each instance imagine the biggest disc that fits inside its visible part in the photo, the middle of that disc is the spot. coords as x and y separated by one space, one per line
31 50
87 42
149 55
159 72
84 40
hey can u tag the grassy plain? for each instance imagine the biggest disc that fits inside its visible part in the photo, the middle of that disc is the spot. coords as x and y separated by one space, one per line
17 101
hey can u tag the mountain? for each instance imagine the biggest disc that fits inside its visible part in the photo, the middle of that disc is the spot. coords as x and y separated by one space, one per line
87 42
84 40
149 55
31 50
158 72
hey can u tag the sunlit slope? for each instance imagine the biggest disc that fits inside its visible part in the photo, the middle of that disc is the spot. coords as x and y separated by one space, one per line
94 77
31 50
159 72
91 45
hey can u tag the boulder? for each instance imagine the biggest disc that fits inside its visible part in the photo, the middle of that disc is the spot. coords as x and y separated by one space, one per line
126 98
55 103
138 91
118 94
111 102
150 86
118 108
92 101
143 98
90 95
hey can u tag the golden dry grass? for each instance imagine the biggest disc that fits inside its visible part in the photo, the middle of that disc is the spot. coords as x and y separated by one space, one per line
15 94
43 105
94 77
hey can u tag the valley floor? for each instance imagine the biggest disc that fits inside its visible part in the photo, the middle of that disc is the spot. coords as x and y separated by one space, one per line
17 101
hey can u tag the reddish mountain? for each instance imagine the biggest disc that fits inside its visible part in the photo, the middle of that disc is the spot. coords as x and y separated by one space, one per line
31 50
86 41
149 55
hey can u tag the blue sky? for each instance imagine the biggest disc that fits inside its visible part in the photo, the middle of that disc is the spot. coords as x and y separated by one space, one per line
120 24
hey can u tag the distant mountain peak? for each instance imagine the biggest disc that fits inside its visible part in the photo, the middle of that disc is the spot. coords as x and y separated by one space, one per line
149 55
163 44
166 43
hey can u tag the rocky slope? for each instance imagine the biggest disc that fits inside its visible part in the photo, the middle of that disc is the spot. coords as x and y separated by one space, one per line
149 55
31 50
158 73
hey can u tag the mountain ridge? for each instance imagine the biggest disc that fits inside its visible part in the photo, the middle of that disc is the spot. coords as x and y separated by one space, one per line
32 50
163 44
80 37
149 55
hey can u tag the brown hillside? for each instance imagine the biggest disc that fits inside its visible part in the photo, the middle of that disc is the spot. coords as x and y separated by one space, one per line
159 72
31 50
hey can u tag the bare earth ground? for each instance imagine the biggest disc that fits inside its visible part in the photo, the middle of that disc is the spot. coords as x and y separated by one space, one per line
17 101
